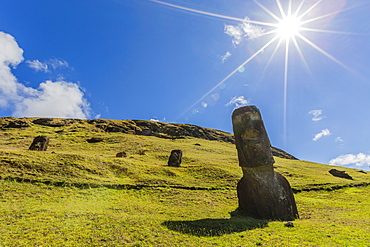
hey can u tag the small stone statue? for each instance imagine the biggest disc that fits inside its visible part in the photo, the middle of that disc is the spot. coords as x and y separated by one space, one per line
40 143
262 192
175 158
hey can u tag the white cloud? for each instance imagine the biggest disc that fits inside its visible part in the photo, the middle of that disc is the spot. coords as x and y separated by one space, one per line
155 119
351 159
317 115
38 66
47 65
324 132
56 63
339 139
10 55
225 57
243 30
238 101
52 99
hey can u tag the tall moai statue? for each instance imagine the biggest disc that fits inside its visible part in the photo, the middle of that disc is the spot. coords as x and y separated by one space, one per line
262 192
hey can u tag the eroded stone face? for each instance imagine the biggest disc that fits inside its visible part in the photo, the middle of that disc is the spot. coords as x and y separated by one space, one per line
40 143
252 142
175 158
262 192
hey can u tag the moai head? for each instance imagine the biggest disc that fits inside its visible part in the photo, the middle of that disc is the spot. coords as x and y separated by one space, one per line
40 143
251 139
175 158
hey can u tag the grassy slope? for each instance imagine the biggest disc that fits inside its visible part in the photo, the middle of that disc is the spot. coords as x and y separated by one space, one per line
32 214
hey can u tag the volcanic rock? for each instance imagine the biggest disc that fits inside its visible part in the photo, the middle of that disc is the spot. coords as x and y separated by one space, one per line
17 124
289 224
48 122
94 140
340 174
121 154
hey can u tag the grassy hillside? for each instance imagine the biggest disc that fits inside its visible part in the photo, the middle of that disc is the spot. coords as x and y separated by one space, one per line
78 193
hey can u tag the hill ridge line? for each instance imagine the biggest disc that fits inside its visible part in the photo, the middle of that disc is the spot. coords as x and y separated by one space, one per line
135 127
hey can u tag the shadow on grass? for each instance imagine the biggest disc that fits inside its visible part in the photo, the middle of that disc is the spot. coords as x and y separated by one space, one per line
215 227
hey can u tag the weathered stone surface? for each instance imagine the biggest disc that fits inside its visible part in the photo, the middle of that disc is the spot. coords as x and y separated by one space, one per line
40 143
175 158
266 194
10 122
289 224
17 124
262 192
251 140
49 122
94 140
144 132
121 154
340 174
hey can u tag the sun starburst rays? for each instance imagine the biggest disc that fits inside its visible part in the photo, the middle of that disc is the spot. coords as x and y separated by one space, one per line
288 28
290 24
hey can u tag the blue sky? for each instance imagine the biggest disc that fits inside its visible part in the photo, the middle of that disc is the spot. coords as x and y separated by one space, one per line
180 61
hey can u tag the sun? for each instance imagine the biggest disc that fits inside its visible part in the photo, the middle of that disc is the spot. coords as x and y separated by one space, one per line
292 22
288 27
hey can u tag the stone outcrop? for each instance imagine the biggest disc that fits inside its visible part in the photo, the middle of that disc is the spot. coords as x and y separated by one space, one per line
94 140
121 154
262 192
340 174
10 122
40 143
17 124
175 158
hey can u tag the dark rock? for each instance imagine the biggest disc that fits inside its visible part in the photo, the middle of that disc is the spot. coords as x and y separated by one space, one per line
340 174
121 154
361 171
94 140
40 143
48 122
17 124
197 144
143 132
262 192
146 132
175 158
289 224
114 129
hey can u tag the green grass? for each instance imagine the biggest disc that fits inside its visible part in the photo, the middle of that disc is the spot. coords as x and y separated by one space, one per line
41 215
80 194
71 159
